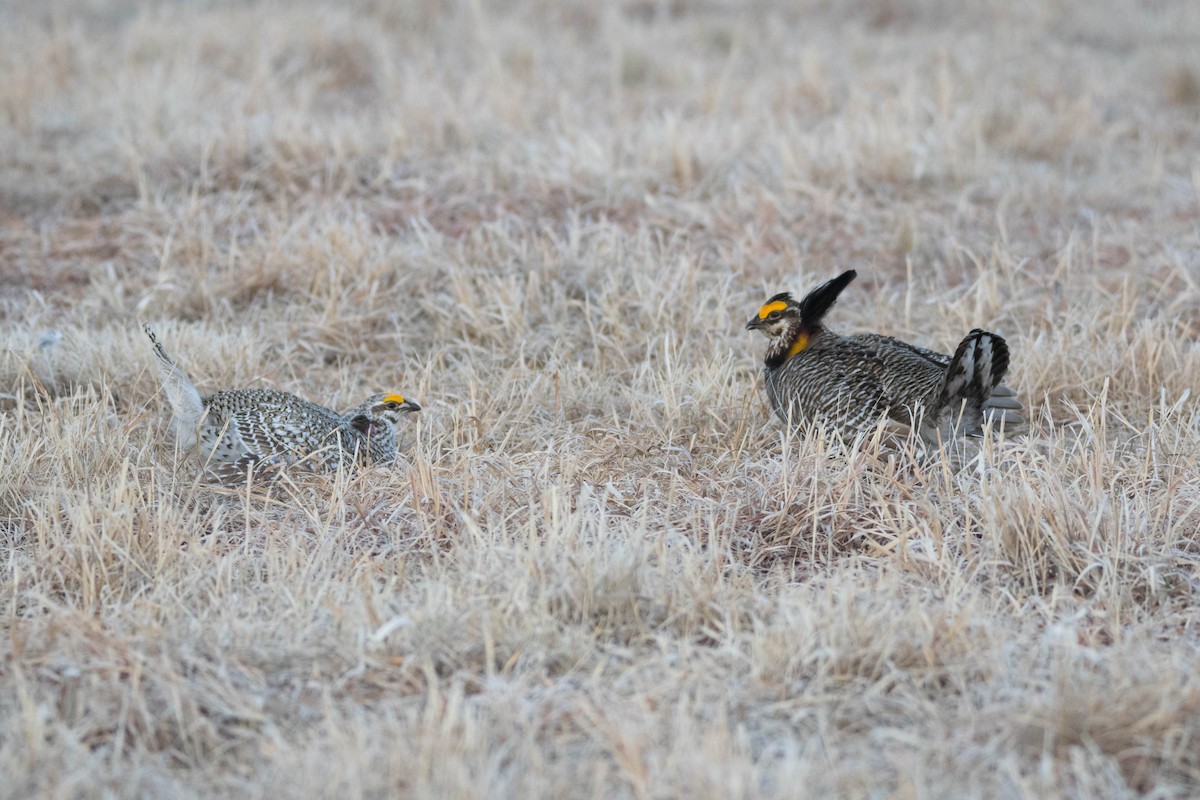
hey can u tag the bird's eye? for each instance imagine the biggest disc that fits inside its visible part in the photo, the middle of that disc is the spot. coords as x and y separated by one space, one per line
773 315
393 404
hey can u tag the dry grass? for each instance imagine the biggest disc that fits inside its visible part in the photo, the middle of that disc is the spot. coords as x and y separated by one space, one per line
602 571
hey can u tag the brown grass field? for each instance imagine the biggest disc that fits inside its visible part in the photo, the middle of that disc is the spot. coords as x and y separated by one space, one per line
602 569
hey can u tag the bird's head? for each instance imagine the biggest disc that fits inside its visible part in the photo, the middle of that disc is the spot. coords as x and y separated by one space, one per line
380 411
392 406
790 324
776 317
781 321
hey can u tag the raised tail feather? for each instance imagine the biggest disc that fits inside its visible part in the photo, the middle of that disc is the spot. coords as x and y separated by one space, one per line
967 392
817 302
181 392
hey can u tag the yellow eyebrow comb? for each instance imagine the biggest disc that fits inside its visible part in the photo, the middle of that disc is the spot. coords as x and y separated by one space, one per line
778 305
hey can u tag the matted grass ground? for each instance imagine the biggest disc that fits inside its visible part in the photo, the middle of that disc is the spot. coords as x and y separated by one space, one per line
602 569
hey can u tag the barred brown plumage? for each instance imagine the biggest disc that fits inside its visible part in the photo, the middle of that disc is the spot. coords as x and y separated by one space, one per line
850 383
237 430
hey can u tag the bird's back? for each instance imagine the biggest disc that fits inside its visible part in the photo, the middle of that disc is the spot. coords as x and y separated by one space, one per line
911 376
268 425
851 382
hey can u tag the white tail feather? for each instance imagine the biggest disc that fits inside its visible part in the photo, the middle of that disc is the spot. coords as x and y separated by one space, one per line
1002 406
181 392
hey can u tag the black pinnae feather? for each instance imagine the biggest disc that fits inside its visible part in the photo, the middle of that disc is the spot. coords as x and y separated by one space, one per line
817 302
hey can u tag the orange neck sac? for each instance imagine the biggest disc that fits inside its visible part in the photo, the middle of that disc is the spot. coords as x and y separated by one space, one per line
779 351
798 345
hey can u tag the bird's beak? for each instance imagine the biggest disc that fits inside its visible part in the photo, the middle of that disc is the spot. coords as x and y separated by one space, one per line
410 405
754 324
